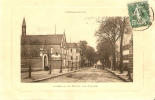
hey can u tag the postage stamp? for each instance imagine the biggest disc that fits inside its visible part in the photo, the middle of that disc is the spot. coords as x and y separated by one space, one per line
139 14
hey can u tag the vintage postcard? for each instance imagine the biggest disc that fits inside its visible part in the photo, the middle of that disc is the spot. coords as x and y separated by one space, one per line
78 47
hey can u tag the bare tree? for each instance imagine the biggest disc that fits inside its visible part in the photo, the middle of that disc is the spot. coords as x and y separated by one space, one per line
114 28
124 28
109 30
83 48
105 50
90 54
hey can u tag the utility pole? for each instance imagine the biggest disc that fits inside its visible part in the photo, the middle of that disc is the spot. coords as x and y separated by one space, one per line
76 64
61 62
68 65
72 60
50 60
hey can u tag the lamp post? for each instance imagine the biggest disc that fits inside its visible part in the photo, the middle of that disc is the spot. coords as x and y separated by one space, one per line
29 53
76 63
68 65
29 63
61 62
72 64
50 59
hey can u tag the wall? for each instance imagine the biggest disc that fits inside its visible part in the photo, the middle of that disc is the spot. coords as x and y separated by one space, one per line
35 62
126 51
56 64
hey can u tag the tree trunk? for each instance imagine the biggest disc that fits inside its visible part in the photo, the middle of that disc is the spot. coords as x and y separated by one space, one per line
114 59
114 62
121 48
121 54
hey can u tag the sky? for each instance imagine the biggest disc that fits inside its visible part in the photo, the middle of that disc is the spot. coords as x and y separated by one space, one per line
79 23
43 20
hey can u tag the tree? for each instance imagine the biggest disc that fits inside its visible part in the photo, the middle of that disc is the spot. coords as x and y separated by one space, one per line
83 48
105 50
124 28
114 28
108 31
90 54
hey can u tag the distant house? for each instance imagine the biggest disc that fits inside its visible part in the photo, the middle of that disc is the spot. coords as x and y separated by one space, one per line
43 50
126 50
73 54
127 53
130 66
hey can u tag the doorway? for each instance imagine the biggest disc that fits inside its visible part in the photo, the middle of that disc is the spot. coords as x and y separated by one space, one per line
44 61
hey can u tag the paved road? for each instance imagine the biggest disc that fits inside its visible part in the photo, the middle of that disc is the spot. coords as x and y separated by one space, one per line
92 75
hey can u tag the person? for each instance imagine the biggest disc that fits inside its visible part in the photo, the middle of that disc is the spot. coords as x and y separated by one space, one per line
95 65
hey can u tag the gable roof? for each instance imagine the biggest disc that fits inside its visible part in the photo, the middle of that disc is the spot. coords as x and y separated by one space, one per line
55 39
72 45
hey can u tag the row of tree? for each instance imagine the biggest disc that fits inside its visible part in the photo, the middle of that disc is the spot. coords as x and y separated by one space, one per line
87 53
110 31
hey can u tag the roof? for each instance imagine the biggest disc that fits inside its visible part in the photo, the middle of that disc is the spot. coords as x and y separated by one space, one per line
42 39
72 45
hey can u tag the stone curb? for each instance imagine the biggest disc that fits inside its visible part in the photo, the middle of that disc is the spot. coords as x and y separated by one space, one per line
119 76
37 80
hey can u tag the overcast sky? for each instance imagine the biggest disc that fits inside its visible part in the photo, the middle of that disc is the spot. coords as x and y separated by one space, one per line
42 20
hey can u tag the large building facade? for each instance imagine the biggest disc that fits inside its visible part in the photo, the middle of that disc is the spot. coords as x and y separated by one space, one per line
126 50
73 54
41 51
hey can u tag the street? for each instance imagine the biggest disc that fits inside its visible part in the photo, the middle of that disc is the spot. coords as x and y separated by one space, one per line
91 74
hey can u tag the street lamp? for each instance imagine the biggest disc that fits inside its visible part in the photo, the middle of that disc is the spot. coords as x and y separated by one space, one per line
68 66
76 62
61 62
72 65
29 51
50 58
30 69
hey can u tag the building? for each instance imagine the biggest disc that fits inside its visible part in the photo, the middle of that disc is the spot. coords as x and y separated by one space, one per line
43 50
73 54
131 58
126 51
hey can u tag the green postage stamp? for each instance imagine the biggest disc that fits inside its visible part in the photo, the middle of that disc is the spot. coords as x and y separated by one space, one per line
139 14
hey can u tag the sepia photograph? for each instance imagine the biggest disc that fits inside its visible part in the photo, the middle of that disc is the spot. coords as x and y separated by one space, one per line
79 46
77 50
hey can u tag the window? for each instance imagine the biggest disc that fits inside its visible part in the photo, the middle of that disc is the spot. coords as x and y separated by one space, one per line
71 50
126 47
77 51
41 48
125 57
56 53
76 57
51 50
41 53
71 57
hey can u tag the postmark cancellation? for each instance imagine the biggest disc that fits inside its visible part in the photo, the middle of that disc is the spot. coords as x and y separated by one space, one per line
139 14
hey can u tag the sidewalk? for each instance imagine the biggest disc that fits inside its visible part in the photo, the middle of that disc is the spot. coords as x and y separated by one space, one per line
122 76
42 75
